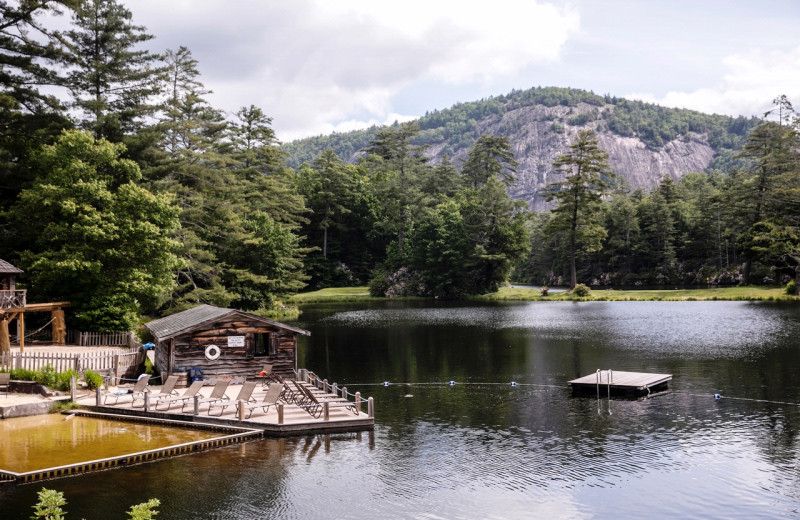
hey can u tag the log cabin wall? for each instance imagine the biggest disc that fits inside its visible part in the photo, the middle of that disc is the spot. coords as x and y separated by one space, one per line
188 349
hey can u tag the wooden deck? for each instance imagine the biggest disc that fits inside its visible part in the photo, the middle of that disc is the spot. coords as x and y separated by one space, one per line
629 383
295 420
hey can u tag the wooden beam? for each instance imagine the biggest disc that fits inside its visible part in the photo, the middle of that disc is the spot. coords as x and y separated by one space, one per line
5 339
44 307
59 327
21 331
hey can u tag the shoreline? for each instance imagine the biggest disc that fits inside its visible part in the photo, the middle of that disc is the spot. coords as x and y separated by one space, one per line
748 293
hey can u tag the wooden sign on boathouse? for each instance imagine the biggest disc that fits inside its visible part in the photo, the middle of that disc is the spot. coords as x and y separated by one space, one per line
224 343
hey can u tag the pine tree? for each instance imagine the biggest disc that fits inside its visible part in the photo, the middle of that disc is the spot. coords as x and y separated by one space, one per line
578 196
489 157
112 80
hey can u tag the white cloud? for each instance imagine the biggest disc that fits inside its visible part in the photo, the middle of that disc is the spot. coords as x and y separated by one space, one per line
752 81
313 64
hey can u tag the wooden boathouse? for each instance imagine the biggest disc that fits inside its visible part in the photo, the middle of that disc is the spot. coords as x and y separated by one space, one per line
223 343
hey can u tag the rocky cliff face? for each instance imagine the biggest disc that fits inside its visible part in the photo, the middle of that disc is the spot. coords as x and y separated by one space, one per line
538 134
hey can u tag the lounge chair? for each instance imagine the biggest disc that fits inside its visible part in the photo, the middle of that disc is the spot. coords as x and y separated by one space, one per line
315 403
270 399
266 376
217 394
168 388
5 381
187 395
137 393
245 394
291 395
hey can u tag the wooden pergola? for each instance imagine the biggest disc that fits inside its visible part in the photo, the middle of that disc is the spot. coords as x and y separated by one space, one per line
13 305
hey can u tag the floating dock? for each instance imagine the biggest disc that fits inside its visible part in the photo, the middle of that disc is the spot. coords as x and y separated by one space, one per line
618 382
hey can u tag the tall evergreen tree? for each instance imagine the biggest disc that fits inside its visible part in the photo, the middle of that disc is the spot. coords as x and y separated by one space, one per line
29 116
579 194
395 166
489 157
328 185
111 78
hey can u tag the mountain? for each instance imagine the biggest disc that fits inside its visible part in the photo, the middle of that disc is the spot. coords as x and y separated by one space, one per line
645 142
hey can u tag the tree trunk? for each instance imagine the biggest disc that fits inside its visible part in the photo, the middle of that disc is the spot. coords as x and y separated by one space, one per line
748 264
325 243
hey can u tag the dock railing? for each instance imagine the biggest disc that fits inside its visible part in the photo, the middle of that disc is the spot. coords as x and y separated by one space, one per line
305 376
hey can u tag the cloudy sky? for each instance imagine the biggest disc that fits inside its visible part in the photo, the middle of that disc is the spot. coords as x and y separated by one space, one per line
317 66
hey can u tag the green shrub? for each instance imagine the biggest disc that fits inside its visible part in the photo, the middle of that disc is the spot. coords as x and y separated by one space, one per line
379 284
46 376
791 288
581 290
23 374
63 406
49 505
93 379
62 380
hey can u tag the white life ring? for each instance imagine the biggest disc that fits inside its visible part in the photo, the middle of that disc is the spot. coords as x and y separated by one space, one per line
212 352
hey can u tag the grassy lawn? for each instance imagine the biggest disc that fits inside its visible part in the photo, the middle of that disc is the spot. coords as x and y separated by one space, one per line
334 294
750 293
722 293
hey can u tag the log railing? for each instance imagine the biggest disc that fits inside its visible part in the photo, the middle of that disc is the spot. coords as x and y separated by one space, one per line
10 299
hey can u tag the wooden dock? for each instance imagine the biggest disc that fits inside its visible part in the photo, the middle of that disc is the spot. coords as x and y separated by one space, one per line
281 420
618 382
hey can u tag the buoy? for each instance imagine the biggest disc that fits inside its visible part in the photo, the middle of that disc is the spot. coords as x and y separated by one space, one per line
717 396
513 383
386 383
452 383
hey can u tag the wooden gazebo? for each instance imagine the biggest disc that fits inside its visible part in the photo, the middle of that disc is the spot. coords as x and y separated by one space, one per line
14 305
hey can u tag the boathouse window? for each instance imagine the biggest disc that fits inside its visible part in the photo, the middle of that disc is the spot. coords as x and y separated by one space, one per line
264 345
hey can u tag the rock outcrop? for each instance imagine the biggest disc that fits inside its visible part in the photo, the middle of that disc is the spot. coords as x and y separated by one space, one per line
538 134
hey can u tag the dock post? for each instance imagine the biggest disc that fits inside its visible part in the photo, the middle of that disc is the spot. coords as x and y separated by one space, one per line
325 385
344 392
371 407
72 384
280 413
335 389
98 395
147 402
240 409
358 402
326 411
196 404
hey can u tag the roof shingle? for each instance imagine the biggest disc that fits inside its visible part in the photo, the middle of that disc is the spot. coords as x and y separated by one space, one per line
182 321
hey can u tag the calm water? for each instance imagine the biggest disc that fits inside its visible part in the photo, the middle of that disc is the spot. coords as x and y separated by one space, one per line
482 449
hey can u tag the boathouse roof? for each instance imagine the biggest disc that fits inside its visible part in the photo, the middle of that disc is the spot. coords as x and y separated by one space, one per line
7 268
180 322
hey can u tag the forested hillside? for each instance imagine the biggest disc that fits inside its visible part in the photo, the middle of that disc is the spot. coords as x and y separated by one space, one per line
645 142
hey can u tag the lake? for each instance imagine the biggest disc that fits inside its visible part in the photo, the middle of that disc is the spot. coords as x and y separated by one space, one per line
484 449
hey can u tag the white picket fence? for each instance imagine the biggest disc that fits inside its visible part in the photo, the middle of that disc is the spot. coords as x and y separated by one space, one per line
104 361
105 339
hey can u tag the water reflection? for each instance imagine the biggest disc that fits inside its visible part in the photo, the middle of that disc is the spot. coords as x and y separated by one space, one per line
484 449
